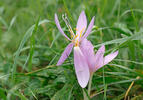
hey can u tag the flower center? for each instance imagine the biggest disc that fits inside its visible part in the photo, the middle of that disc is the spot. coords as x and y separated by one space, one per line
75 38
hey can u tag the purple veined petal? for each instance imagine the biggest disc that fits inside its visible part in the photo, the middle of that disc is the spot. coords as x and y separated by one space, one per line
81 24
88 31
59 27
99 58
88 51
81 67
110 57
65 54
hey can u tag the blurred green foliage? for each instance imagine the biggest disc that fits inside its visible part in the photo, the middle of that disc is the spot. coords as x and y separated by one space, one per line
30 46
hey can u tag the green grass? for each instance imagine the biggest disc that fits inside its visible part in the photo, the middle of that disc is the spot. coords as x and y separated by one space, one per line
30 46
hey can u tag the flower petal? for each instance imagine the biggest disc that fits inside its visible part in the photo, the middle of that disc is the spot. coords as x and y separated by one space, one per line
81 24
99 58
110 57
89 28
65 54
59 27
88 51
81 67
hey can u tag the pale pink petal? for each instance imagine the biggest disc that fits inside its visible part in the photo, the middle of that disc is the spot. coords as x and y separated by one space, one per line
99 58
88 31
110 57
81 67
88 51
65 54
81 23
59 27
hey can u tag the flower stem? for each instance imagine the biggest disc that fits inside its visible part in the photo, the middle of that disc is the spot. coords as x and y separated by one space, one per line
89 85
85 94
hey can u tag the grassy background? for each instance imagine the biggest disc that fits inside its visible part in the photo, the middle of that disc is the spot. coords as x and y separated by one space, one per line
30 46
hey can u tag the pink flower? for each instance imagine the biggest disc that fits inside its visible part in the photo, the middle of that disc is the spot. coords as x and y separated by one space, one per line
80 62
96 61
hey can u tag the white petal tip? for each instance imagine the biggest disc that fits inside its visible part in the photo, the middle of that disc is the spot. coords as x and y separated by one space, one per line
83 85
83 12
117 52
102 49
103 46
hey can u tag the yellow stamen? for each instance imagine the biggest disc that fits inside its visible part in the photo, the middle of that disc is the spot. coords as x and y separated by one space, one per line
76 36
81 32
75 39
76 43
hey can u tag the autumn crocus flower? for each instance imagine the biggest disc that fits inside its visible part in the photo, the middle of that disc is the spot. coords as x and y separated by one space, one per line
96 61
80 63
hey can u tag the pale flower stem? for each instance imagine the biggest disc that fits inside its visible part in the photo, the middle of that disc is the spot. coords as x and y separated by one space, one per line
84 95
89 85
